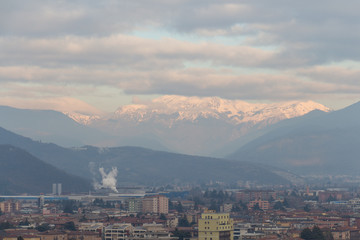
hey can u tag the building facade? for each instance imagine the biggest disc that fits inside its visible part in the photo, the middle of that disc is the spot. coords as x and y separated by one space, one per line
155 204
215 226
10 206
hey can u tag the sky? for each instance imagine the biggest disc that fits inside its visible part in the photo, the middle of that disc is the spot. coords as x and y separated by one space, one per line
92 56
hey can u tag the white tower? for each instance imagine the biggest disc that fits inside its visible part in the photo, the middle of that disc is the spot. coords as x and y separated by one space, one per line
59 189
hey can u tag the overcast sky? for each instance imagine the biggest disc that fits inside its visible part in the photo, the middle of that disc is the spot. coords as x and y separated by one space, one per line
93 56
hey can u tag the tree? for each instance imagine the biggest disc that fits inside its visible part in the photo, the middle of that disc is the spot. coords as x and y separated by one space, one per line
306 234
162 216
214 206
315 234
70 226
307 208
181 234
43 227
328 235
24 223
331 198
279 206
213 194
179 207
256 207
5 225
69 206
183 222
286 203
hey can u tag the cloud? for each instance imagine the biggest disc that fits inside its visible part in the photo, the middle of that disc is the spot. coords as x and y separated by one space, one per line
125 51
261 50
62 104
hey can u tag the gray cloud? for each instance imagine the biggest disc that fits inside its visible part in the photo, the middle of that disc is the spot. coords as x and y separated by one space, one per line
268 50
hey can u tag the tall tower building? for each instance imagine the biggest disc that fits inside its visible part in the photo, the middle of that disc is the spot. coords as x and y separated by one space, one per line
215 226
54 186
59 189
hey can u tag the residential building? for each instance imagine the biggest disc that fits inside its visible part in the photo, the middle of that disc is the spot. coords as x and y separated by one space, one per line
155 204
117 231
249 195
215 226
133 205
263 205
10 206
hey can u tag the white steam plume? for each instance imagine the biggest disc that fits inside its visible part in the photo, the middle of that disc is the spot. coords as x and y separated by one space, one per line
109 179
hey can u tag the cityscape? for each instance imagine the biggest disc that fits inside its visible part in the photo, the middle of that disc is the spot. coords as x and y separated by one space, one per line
207 212
179 120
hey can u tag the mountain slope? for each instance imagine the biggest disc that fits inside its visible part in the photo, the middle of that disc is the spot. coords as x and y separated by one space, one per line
143 166
48 126
189 125
321 143
21 172
200 126
179 108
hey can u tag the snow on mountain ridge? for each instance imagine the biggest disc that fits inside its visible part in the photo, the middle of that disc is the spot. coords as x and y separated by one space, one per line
81 118
180 108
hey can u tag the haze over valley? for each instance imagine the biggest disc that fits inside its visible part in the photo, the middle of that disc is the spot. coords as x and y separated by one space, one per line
301 137
188 125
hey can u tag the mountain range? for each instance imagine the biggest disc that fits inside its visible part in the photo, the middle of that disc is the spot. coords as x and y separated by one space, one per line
144 166
319 142
190 125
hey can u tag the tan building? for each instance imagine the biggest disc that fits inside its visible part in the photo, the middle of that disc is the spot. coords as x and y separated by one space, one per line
249 195
117 231
215 226
10 206
264 205
126 231
155 204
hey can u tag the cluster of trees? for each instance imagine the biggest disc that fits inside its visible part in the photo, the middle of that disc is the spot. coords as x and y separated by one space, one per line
181 234
5 225
315 234
100 203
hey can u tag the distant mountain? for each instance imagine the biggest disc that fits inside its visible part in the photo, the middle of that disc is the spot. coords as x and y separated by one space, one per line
180 108
208 126
144 166
49 126
20 172
315 143
194 125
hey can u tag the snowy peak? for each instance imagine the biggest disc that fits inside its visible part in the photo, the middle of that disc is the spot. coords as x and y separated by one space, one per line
179 108
81 118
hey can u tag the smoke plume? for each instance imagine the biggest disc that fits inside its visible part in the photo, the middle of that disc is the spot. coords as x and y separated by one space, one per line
108 180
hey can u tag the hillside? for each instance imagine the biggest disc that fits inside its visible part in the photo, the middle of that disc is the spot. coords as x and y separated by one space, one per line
20 172
144 166
323 143
49 126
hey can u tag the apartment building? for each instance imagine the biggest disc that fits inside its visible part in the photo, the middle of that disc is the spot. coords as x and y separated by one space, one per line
215 226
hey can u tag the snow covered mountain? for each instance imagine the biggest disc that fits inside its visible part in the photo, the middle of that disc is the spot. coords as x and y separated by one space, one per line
235 112
193 125
82 118
208 126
